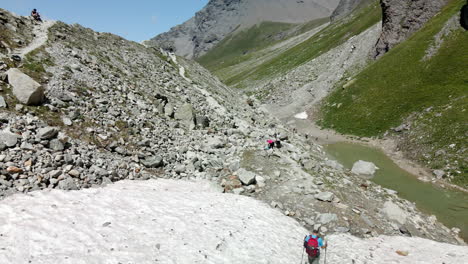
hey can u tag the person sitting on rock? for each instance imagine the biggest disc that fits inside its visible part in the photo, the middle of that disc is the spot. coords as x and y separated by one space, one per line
36 15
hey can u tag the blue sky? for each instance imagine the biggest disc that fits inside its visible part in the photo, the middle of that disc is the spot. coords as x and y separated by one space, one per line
136 20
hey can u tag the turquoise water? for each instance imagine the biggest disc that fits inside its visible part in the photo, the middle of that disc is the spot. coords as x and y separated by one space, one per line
449 206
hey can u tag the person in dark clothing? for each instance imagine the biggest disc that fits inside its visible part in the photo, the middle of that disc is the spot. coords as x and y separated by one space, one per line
36 15
464 16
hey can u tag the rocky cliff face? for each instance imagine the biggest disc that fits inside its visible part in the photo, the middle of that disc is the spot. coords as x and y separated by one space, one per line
221 17
403 18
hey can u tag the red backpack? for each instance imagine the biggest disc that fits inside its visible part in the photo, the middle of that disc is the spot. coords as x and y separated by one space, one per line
312 246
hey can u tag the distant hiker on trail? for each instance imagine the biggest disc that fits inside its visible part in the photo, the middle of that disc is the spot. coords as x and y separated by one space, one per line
312 245
271 144
36 15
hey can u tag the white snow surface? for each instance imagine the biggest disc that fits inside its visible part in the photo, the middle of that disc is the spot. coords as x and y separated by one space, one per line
302 115
168 221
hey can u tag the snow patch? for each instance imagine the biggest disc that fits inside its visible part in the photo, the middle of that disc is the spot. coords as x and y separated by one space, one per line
141 222
302 116
168 221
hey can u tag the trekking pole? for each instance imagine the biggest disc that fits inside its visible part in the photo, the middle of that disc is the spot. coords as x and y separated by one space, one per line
302 258
326 253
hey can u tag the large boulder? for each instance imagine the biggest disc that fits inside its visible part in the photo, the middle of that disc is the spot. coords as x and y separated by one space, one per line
394 212
47 133
364 168
325 196
8 139
186 115
153 162
246 177
25 89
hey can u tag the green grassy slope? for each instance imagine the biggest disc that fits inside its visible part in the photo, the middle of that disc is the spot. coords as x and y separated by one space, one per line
239 46
402 87
330 37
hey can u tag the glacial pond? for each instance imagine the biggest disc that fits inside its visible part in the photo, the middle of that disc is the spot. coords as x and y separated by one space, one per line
449 206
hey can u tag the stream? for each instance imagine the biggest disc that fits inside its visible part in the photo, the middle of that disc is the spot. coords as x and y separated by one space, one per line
449 206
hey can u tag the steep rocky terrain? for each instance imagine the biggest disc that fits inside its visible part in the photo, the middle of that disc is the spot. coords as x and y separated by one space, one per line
402 18
110 109
219 18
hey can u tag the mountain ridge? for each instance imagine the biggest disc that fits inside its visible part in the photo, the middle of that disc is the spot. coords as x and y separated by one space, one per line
220 18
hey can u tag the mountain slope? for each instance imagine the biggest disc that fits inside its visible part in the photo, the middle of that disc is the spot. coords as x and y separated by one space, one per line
313 46
219 18
420 83
117 110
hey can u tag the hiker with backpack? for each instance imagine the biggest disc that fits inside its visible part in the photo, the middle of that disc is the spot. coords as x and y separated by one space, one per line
312 244
36 15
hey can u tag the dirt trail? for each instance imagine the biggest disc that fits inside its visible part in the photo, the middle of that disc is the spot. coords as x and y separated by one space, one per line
40 32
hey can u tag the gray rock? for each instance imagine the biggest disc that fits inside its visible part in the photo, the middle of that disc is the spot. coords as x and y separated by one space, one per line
325 196
153 162
342 229
8 138
74 173
309 165
47 133
26 146
334 164
179 168
56 145
4 77
439 173
364 168
326 218
246 177
25 89
394 212
67 121
3 104
169 110
216 142
67 184
234 166
202 121
186 115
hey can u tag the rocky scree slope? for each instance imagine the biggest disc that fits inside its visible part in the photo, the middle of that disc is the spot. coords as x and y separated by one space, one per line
117 110
219 18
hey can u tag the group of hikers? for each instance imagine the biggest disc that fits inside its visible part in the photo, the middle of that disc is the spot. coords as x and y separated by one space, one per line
35 15
273 143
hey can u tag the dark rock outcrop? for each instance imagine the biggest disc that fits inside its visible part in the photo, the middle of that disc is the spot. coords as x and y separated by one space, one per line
219 18
401 18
